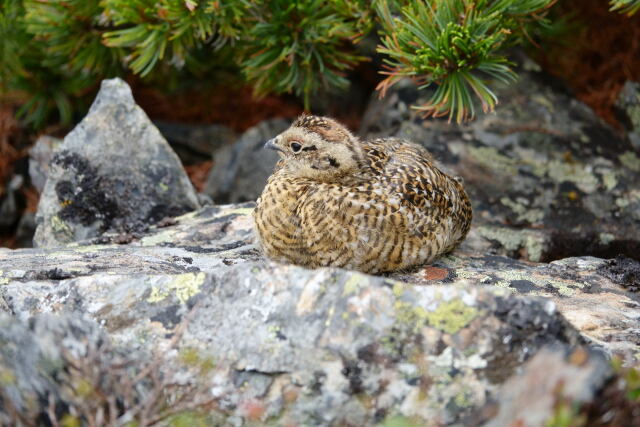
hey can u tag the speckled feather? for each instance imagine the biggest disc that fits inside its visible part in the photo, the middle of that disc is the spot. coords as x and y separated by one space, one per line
374 206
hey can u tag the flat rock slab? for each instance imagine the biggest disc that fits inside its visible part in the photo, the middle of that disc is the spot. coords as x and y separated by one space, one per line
323 346
597 298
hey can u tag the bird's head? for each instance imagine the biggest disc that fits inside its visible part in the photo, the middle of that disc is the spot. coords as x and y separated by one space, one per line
317 148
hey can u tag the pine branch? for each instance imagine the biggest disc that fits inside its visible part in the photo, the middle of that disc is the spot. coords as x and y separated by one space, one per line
300 47
456 45
629 7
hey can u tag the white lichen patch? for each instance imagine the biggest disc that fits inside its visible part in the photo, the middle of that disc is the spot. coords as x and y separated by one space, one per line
312 291
564 288
524 213
156 239
184 286
581 175
493 160
514 240
606 238
630 160
609 179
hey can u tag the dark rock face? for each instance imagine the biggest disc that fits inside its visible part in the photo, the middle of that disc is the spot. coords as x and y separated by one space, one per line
628 106
196 143
240 171
322 347
548 179
9 203
113 172
623 271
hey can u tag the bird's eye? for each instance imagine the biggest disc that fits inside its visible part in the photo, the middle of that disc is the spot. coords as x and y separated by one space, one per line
295 146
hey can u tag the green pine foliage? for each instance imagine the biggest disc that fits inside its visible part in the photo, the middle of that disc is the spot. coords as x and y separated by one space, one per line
629 7
54 52
455 44
300 46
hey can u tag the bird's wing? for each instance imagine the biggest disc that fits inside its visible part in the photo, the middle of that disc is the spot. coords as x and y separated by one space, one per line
426 193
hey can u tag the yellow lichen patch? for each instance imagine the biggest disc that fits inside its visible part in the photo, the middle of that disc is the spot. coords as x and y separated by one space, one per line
400 421
192 419
192 358
411 315
60 227
69 420
7 377
184 286
352 284
451 316
398 289
239 211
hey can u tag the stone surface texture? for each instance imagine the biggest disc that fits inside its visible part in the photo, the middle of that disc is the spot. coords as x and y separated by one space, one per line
240 171
113 172
548 179
325 346
40 156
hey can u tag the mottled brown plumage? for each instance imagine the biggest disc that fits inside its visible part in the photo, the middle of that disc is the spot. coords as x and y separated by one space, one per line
373 206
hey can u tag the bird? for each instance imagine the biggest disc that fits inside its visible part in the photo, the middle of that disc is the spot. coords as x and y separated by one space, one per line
375 206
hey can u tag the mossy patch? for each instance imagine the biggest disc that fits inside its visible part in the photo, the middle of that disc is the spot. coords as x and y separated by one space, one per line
193 358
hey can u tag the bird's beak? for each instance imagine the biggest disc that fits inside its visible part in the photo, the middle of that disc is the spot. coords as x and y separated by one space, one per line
271 144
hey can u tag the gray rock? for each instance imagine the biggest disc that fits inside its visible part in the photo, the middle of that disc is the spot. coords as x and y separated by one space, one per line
628 105
327 346
547 178
113 172
553 376
9 209
201 139
40 156
240 171
31 357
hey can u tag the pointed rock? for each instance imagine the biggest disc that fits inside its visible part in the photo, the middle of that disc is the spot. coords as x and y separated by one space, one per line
113 172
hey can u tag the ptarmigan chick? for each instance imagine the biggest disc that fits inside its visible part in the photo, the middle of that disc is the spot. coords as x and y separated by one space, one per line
374 206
